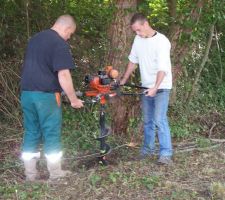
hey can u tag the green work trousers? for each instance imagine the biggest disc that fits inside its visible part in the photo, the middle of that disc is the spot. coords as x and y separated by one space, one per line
42 114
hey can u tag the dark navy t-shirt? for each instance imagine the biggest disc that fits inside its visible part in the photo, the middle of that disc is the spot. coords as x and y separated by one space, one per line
46 54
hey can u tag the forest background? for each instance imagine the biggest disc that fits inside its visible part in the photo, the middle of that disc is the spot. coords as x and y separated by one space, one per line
103 37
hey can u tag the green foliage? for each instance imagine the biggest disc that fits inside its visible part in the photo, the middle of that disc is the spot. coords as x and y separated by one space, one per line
90 43
183 194
180 129
184 128
93 17
150 182
11 17
23 192
134 180
217 190
203 142
19 18
80 128
157 12
133 129
114 176
94 179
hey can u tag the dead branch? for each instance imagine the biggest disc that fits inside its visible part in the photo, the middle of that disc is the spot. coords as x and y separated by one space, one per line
217 140
197 149
211 129
9 90
204 60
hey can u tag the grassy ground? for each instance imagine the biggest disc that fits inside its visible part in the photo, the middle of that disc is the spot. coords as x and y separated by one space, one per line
198 172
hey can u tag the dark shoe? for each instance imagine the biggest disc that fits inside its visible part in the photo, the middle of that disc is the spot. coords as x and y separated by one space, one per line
165 160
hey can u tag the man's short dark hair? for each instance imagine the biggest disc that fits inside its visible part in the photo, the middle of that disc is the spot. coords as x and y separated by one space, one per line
138 17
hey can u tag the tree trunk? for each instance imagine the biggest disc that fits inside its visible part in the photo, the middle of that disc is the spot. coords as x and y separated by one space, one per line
178 52
121 38
120 34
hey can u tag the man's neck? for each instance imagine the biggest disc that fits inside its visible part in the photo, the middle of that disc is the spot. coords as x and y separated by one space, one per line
58 30
151 33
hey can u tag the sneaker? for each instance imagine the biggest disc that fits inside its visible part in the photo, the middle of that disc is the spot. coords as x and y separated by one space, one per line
165 160
143 156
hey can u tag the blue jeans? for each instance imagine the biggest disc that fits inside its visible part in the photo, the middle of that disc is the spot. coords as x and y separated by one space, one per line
155 116
42 115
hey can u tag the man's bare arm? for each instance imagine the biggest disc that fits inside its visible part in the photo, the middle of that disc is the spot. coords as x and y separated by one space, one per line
66 83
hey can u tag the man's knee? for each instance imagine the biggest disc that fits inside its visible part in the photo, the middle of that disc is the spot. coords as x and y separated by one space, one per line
161 122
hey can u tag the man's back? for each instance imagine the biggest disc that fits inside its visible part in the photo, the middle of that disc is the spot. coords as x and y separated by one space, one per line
44 53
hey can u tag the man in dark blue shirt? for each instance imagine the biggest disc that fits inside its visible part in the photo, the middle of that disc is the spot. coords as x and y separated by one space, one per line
45 74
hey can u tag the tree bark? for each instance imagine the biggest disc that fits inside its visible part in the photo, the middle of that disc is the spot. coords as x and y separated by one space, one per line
121 38
120 33
178 52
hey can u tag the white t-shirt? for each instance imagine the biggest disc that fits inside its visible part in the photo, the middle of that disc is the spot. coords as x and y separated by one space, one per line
152 55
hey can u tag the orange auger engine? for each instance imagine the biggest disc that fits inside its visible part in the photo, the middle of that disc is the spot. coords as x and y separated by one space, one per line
102 86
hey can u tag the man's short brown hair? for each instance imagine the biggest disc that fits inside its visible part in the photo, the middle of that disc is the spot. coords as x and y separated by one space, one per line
138 17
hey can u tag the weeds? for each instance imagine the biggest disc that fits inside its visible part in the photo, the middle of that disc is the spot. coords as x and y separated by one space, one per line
23 192
217 190
94 179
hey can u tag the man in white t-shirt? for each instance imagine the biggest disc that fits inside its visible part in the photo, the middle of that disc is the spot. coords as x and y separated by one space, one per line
151 51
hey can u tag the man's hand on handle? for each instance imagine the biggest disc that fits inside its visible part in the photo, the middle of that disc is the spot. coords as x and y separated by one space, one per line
77 103
66 83
151 92
122 82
